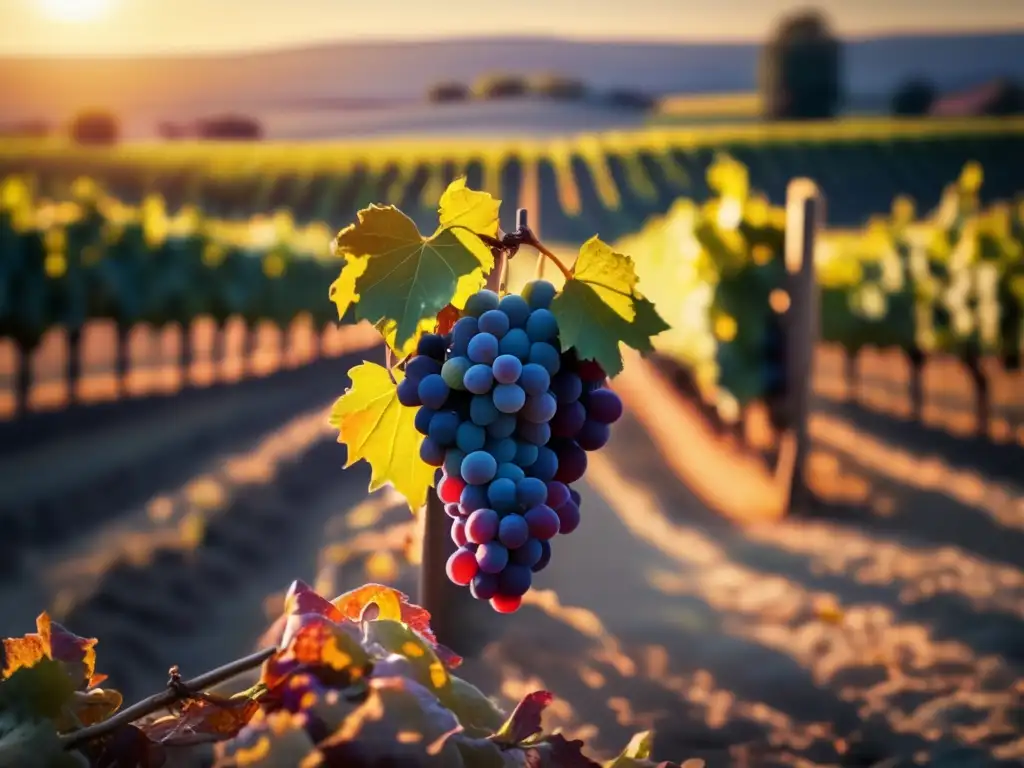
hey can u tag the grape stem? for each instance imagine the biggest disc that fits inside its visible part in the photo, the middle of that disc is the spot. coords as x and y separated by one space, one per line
510 243
176 690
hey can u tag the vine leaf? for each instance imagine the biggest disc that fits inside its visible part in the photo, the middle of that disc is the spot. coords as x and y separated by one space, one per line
202 721
525 720
636 753
343 289
378 429
469 212
389 330
76 655
600 306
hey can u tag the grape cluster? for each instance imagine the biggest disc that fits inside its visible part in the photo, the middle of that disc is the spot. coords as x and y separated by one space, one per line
509 417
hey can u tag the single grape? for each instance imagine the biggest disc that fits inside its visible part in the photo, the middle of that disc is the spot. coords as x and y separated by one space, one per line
443 427
450 489
542 325
422 420
453 461
473 497
432 345
567 387
575 496
604 406
503 426
478 467
539 409
492 557
545 467
515 343
509 398
503 450
479 379
484 586
513 531
431 452
469 437
534 379
528 554
568 517
501 494
454 371
506 603
483 348
572 462
542 520
459 533
465 328
558 495
453 511
516 308
591 371
593 436
480 302
433 391
482 410
510 472
462 567
507 369
538 434
494 322
568 419
482 526
545 557
419 367
408 393
539 294
546 356
531 492
526 454
514 581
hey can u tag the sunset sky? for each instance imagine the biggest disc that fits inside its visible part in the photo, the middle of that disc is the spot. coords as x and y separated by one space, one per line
45 27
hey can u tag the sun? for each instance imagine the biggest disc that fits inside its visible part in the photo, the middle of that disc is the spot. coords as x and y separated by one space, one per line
74 11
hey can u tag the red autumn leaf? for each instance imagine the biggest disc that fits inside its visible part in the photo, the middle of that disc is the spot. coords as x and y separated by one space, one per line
567 753
302 598
525 720
201 721
52 641
312 641
447 318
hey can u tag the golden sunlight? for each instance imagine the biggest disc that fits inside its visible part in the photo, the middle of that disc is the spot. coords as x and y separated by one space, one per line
74 11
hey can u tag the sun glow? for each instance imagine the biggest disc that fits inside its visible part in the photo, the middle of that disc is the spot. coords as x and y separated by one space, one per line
74 11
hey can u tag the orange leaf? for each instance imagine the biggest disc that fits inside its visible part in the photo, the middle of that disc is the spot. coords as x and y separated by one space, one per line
202 721
52 641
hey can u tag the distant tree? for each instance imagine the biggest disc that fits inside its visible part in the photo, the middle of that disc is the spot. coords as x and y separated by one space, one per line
95 127
558 87
172 131
500 86
27 129
231 127
1008 100
914 97
448 92
627 98
801 70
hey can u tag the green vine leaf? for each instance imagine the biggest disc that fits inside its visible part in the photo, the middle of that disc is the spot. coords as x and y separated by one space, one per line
600 307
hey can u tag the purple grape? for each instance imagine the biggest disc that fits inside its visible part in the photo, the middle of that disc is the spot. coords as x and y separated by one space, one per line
478 467
509 398
526 454
543 522
575 496
483 348
528 554
568 517
453 511
503 450
503 426
469 437
546 465
605 406
567 387
478 379
542 325
511 472
465 328
482 410
482 526
473 497
443 428
568 419
494 322
513 531
558 494
539 294
516 308
539 409
431 452
419 367
480 302
432 345
501 493
515 343
538 434
593 436
507 369
572 462
422 420
433 391
492 557
546 356
534 379
545 557
515 580
408 393
484 586
459 533
530 492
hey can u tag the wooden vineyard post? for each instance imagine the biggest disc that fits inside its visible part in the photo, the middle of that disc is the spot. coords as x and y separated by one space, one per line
23 378
805 215
73 363
122 358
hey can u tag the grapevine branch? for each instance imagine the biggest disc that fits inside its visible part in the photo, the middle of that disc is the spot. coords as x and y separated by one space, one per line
510 242
176 690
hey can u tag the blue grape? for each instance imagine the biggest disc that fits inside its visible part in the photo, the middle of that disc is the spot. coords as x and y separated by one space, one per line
482 526
511 472
484 586
509 398
492 557
480 302
572 461
568 518
454 371
482 410
422 420
538 434
539 409
593 436
408 393
604 406
544 468
575 496
516 308
567 387
443 428
506 369
483 348
526 454
528 554
494 322
453 461
479 379
469 437
459 533
514 580
539 294
545 356
513 531
432 345
568 419
534 379
543 522
503 450
558 495
515 343
465 328
478 468
542 325
545 557
419 367
503 426
433 391
473 497
501 494
431 452
530 492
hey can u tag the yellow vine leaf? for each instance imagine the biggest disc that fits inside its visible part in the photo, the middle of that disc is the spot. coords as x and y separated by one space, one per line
379 430
343 290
